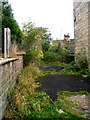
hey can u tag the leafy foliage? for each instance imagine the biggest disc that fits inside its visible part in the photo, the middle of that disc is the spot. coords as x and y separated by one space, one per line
35 39
71 107
81 61
25 102
34 35
56 54
33 56
8 21
80 66
28 35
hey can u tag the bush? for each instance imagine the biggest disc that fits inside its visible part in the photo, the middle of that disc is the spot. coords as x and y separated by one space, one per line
52 55
33 55
48 56
81 61
80 66
28 57
88 75
65 55
26 102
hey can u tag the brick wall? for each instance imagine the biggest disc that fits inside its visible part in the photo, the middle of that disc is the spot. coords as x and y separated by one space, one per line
9 70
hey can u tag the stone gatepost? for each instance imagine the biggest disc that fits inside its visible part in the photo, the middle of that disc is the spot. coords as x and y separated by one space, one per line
7 42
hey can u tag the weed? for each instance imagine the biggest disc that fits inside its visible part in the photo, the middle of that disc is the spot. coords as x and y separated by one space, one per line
25 102
71 108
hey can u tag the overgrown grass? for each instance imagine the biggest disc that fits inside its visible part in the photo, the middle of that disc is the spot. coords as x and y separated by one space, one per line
25 102
67 70
70 68
71 107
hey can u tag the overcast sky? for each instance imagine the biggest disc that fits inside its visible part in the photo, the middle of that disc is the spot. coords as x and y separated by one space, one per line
57 15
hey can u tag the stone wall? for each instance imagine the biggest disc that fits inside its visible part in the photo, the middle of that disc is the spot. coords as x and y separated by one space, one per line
89 34
82 28
9 70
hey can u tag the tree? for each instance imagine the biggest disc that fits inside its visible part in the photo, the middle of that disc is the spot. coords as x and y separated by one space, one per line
46 40
34 38
8 21
28 35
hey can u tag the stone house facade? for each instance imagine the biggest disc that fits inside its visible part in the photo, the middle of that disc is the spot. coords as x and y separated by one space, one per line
66 42
82 28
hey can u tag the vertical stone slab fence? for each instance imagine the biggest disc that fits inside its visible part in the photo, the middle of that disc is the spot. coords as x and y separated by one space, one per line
9 70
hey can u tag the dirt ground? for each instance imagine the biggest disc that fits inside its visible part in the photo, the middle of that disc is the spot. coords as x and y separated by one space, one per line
52 84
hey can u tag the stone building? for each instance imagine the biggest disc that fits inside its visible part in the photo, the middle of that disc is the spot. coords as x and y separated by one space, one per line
66 42
82 28
63 42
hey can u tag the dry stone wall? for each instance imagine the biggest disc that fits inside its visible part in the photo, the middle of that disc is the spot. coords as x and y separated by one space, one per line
9 70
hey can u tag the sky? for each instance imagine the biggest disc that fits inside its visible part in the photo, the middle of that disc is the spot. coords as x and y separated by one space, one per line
56 15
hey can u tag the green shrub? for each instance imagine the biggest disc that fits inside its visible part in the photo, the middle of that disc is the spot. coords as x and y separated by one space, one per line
50 56
80 66
65 55
28 57
55 55
81 63
33 55
88 74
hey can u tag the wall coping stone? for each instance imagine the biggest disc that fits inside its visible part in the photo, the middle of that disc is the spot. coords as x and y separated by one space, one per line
4 61
20 53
